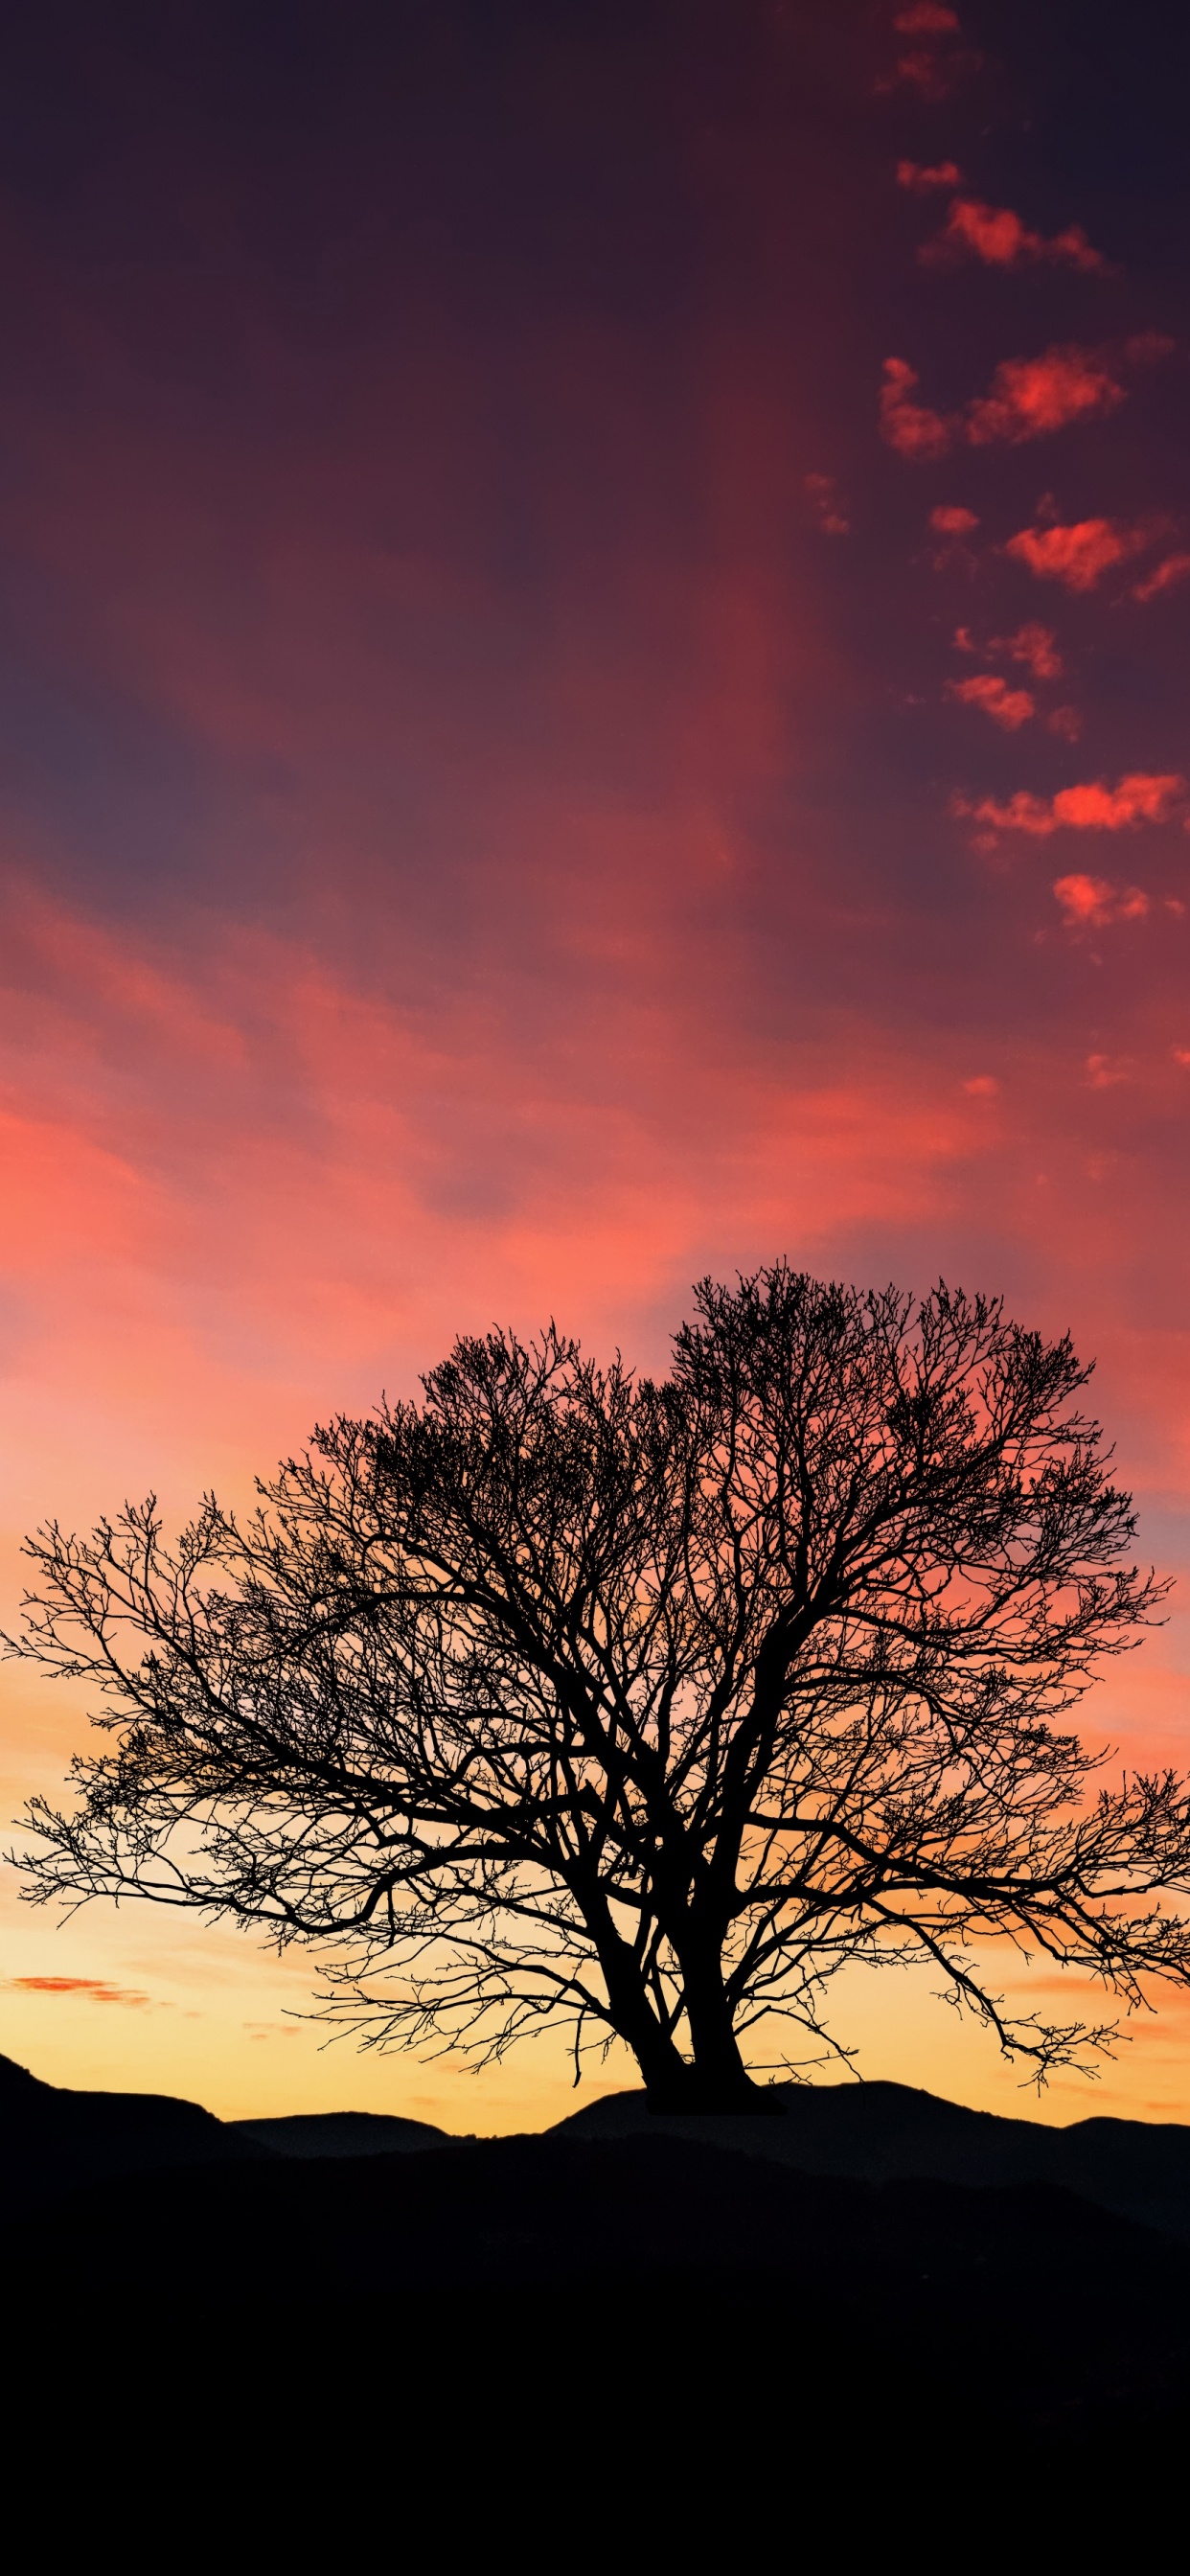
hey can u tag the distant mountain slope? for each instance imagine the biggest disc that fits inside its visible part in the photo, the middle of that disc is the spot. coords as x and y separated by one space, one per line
312 2134
891 2133
52 2139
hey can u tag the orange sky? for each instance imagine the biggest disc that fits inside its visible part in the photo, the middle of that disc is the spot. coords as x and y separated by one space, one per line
595 689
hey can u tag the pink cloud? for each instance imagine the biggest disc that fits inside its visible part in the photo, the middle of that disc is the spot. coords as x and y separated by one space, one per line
1028 398
1032 397
953 522
1141 797
823 492
982 1086
906 425
926 18
1077 555
1066 722
1035 646
1008 707
921 177
933 76
998 237
1174 569
1073 248
1090 903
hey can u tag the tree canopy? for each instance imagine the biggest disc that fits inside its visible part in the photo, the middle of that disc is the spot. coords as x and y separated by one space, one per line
646 1704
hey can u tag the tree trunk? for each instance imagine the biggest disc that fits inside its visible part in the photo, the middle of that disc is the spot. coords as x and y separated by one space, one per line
716 2079
717 2082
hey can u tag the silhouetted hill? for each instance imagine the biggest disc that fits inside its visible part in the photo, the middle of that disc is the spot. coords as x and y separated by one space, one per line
53 2139
338 2133
730 2267
890 2132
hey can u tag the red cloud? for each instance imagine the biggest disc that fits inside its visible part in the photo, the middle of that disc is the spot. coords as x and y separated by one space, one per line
1174 569
925 18
921 177
1090 903
953 523
1033 645
1076 555
1067 722
1008 707
1142 797
933 76
823 492
1031 397
906 425
1000 239
1028 398
96 1989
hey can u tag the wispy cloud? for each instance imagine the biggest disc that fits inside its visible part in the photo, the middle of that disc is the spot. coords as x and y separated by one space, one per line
926 18
1001 239
923 177
1090 903
1010 708
934 76
824 493
1174 569
95 1990
952 522
1035 646
1144 796
909 427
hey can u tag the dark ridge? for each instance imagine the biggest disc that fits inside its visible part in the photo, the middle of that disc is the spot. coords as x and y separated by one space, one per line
890 2132
800 2304
53 2139
338 2133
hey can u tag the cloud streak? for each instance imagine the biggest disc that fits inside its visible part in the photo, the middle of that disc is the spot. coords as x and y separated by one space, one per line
1141 797
1166 577
923 178
1009 708
1000 239
94 1990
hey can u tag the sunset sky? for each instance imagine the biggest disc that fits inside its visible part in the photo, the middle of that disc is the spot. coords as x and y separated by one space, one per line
594 634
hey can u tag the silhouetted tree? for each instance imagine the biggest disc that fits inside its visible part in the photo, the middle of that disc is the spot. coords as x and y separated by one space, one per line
650 1704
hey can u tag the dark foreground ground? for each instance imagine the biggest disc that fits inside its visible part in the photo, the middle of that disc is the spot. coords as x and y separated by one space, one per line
880 2297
